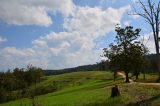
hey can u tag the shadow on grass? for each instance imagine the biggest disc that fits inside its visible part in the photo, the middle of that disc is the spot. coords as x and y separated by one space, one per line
147 102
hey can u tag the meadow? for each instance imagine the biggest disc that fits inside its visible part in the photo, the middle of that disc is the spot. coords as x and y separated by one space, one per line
91 89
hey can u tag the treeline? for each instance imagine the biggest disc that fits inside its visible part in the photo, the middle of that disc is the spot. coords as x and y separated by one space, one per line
13 84
152 67
68 70
103 66
100 66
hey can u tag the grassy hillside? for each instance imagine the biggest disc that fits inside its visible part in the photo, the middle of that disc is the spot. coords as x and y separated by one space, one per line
91 89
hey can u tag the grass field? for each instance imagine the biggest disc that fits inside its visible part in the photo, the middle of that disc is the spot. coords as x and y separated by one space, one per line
92 89
149 78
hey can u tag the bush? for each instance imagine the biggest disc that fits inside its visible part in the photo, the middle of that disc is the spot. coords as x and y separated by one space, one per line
3 95
44 90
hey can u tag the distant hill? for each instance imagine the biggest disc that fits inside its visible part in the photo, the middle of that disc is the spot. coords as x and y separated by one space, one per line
101 66
93 67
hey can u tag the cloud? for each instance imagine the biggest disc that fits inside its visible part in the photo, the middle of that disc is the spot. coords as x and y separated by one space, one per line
135 1
2 40
52 51
105 1
32 12
72 47
94 21
126 23
13 57
69 49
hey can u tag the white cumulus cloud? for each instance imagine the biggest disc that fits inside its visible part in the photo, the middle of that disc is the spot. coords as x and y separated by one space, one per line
94 21
32 12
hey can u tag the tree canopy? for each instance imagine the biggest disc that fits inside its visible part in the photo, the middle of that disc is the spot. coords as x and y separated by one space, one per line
127 54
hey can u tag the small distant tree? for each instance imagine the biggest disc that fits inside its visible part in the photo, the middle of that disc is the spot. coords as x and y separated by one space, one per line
102 65
19 78
33 74
127 51
9 81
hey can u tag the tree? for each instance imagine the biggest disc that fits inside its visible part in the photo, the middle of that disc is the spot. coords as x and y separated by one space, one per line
3 94
112 55
151 12
19 78
102 65
32 75
127 51
138 59
9 81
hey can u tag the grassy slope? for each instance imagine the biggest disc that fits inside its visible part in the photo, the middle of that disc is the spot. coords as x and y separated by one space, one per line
89 89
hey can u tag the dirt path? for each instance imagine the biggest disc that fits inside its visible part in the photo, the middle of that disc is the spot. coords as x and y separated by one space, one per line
141 83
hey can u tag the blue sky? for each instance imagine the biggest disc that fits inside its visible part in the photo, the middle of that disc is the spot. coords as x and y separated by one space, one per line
55 34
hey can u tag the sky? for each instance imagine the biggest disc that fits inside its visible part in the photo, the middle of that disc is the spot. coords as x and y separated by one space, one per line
56 34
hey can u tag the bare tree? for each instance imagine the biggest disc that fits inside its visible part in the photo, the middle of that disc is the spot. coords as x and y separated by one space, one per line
150 11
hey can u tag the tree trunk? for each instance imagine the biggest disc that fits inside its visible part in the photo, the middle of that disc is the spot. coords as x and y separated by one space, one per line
136 76
115 91
158 64
115 75
144 76
127 77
